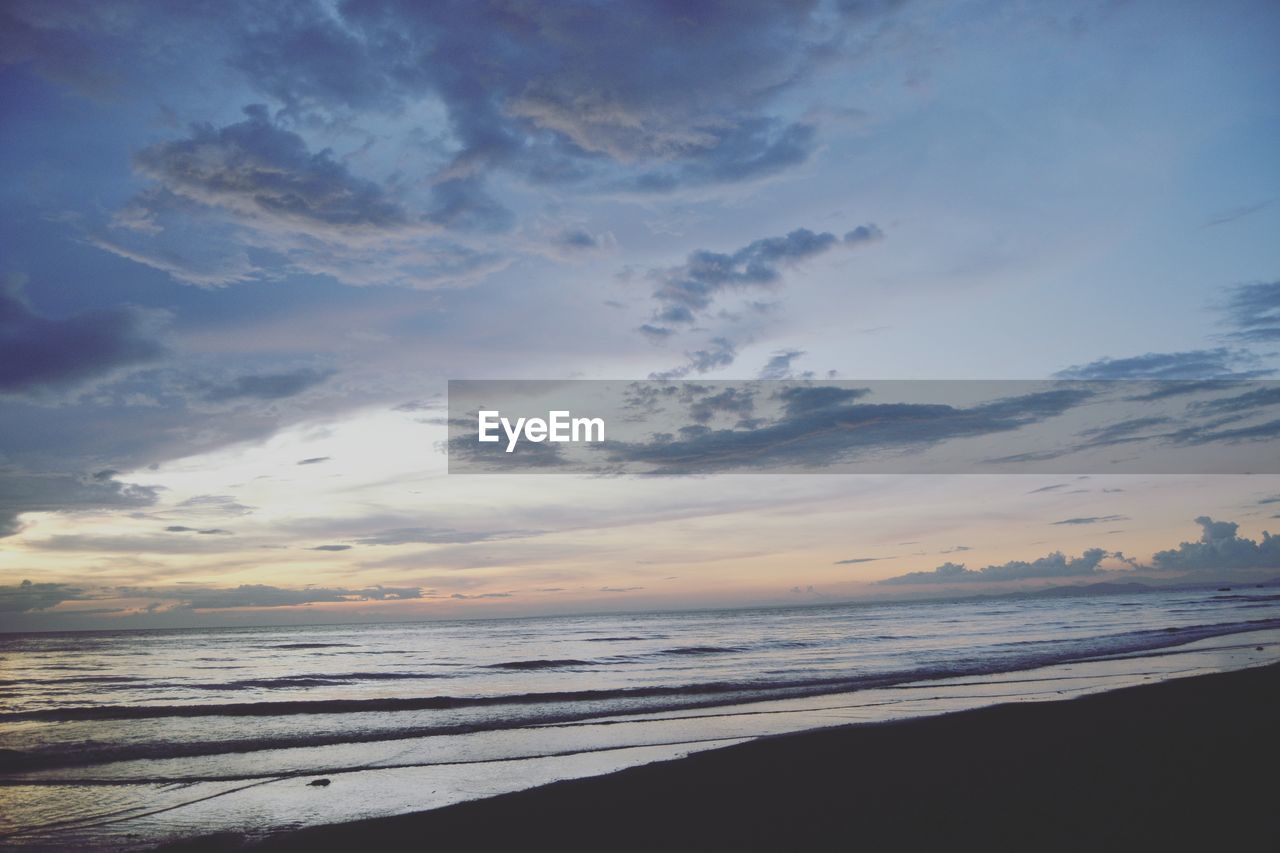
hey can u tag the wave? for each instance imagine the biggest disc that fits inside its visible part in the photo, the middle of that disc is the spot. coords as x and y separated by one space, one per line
312 646
313 680
75 679
539 664
678 695
698 650
643 701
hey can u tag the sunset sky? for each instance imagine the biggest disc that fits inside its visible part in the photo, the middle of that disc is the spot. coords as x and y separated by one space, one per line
246 244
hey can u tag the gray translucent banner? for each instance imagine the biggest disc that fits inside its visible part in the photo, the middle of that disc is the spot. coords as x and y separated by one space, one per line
658 427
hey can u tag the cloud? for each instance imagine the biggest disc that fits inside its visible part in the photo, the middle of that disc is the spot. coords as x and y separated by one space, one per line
1219 363
687 290
1122 431
754 148
1218 548
1245 403
1093 519
24 492
41 354
314 460
826 425
261 595
262 171
210 531
855 560
736 402
213 505
266 386
1055 565
655 333
554 92
1240 212
1254 311
779 364
249 200
1256 432
445 536
27 596
576 240
330 548
720 353
805 399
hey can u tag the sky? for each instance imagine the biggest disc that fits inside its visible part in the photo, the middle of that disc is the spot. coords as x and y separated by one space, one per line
245 245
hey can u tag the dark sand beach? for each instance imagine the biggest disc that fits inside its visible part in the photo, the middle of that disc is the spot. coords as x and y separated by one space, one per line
1187 764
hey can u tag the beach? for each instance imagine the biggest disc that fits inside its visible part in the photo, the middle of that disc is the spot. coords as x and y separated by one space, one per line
1182 764
132 740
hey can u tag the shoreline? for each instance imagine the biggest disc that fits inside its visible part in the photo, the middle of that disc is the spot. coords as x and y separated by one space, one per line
1173 764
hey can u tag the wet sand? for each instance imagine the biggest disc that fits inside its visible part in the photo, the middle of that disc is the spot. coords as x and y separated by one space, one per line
1186 764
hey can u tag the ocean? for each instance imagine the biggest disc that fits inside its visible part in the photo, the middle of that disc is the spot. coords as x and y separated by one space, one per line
124 739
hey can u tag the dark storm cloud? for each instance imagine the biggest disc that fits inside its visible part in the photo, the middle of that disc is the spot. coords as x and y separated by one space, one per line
1055 565
40 354
20 598
819 430
1254 311
1219 363
22 492
1218 548
258 169
266 386
689 289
